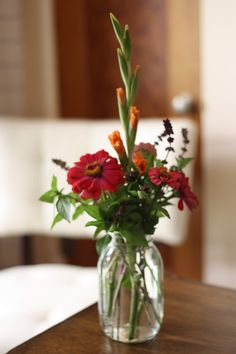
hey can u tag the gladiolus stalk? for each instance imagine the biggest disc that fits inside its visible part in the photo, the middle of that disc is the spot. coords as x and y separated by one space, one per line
126 99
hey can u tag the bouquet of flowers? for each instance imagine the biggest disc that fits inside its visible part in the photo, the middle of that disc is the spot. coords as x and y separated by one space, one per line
126 197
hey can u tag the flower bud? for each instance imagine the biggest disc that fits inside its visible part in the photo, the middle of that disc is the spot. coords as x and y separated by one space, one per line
140 162
117 142
120 95
134 117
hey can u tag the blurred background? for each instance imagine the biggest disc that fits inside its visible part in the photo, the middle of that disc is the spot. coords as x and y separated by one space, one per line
58 61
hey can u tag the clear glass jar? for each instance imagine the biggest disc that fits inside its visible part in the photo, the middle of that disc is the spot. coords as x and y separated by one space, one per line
131 302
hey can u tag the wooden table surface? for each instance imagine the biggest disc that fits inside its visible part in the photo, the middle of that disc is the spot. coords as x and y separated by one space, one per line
198 319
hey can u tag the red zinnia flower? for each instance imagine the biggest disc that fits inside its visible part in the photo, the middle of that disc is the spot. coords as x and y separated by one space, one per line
176 180
95 173
159 175
186 195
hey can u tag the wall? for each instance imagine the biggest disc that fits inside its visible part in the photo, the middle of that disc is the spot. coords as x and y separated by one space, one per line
218 71
12 97
28 85
40 57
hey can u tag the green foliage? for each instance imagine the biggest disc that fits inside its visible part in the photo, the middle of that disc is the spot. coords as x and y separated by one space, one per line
158 163
56 219
126 282
63 207
78 211
54 184
117 29
123 67
183 162
134 85
48 197
102 243
133 235
92 210
162 212
127 43
130 81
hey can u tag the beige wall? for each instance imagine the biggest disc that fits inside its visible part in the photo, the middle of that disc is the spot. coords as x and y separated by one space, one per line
28 84
218 74
40 53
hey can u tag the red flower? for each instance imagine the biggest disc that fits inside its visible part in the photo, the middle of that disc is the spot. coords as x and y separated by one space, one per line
159 175
150 148
180 182
95 173
176 180
186 195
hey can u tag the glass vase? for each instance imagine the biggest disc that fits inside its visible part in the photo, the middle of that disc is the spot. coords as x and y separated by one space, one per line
130 291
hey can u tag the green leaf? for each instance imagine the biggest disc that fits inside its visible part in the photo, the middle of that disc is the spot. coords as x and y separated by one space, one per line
76 197
54 183
127 43
94 223
102 243
158 163
63 208
149 227
99 224
48 197
98 230
183 162
134 85
126 282
135 217
57 219
123 67
134 237
73 198
162 212
78 211
117 29
93 211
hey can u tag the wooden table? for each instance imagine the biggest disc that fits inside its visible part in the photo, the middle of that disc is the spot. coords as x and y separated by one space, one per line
198 319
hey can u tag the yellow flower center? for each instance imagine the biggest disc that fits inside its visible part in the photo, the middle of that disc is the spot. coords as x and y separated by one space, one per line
93 169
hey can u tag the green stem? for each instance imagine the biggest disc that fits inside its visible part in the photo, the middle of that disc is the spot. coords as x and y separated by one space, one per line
140 307
134 292
133 311
138 300
147 297
117 290
112 284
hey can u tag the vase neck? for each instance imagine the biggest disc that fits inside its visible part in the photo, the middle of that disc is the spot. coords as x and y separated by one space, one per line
119 240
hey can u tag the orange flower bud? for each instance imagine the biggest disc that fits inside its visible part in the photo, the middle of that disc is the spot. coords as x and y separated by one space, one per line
117 142
134 117
120 95
140 162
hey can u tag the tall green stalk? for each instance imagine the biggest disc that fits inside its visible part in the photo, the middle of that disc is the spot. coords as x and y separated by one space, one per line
130 80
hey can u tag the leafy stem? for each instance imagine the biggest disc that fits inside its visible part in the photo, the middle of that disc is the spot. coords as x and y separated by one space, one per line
130 81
